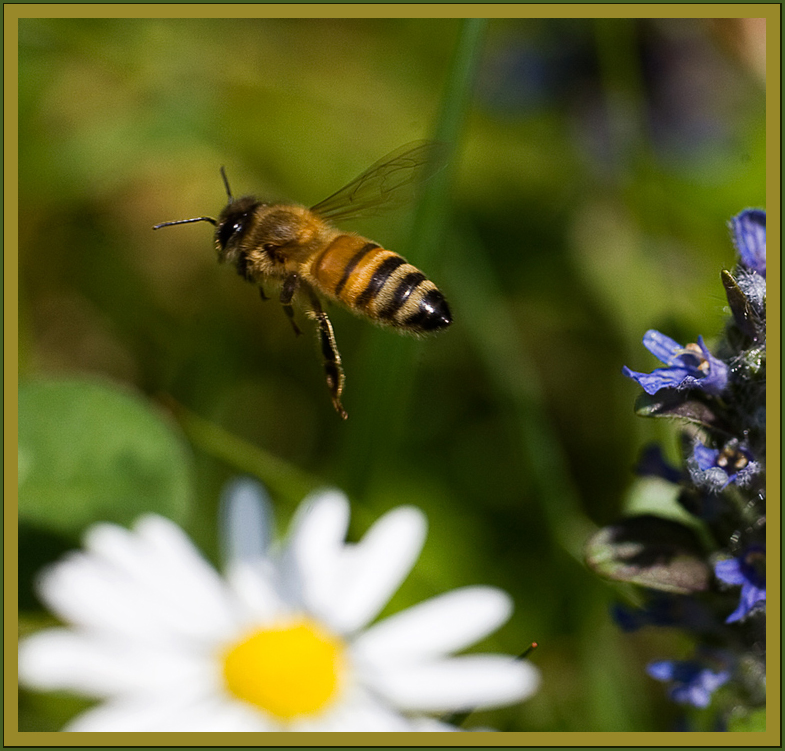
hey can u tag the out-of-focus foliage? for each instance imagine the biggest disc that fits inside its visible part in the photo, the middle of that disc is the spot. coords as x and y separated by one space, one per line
89 452
596 165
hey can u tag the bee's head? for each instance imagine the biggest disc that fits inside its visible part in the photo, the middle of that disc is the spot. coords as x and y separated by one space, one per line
233 224
249 224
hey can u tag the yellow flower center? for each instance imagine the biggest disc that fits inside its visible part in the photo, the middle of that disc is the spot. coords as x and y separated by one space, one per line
287 670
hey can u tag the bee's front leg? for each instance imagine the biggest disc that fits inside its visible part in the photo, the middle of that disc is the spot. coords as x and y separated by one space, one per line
332 358
290 285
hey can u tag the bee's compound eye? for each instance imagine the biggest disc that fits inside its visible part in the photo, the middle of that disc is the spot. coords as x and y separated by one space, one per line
229 229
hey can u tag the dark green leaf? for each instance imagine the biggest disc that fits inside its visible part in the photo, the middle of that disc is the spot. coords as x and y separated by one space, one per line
651 551
674 403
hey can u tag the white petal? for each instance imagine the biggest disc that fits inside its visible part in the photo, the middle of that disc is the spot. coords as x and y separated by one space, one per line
87 592
161 713
359 711
140 583
431 725
230 715
254 588
458 684
246 521
372 570
316 538
323 515
436 627
194 585
61 659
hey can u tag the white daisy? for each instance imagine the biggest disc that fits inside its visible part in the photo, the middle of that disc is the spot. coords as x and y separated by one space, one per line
282 642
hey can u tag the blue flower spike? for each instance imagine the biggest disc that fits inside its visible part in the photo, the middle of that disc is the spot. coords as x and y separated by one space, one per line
749 237
721 485
691 366
748 572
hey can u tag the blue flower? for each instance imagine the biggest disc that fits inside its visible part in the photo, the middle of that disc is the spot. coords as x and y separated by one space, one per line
718 468
693 681
749 237
692 366
748 571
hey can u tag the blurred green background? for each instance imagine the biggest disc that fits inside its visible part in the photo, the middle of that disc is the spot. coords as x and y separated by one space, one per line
594 166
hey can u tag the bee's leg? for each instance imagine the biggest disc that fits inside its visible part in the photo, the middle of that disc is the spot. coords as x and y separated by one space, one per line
290 285
262 295
332 358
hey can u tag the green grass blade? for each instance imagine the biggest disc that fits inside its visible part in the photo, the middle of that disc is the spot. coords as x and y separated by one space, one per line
380 410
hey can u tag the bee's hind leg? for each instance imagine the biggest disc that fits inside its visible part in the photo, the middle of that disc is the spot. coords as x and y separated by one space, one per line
332 358
290 285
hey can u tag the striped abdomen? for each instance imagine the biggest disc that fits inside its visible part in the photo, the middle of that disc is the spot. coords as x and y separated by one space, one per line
380 284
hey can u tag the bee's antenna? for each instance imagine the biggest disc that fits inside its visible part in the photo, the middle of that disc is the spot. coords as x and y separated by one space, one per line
226 183
212 221
188 221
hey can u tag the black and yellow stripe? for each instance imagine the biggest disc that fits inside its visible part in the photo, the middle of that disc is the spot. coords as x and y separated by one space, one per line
381 285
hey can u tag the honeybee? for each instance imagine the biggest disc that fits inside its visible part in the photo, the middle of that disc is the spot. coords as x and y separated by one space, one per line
299 250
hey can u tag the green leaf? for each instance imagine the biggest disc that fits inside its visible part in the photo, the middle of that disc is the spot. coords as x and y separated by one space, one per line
90 451
673 403
652 552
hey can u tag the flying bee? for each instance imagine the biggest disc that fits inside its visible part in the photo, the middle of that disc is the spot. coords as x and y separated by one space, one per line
299 250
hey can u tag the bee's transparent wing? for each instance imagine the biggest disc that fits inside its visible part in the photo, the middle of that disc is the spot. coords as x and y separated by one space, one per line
387 183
